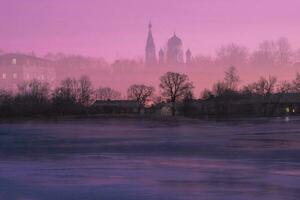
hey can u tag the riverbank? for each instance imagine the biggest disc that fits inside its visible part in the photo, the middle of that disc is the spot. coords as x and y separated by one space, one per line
149 117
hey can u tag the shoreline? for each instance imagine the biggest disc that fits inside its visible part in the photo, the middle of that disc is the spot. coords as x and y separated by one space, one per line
179 118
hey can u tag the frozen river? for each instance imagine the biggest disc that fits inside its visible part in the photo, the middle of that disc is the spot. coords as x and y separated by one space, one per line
139 159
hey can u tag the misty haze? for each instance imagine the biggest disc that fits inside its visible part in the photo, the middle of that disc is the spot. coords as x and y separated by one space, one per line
161 99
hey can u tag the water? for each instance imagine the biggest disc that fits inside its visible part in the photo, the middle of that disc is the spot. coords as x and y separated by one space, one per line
135 159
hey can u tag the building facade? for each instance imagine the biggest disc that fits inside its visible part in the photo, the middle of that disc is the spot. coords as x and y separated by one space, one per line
17 68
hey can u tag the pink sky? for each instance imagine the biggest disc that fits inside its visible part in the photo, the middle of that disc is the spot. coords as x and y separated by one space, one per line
118 28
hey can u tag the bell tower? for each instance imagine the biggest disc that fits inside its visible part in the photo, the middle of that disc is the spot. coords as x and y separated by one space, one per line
150 57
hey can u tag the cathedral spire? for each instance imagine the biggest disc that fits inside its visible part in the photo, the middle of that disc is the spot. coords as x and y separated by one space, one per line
150 26
150 57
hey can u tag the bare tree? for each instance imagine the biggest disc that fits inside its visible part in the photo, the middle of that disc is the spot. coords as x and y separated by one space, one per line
206 94
284 51
67 92
284 87
263 87
227 87
296 83
266 54
140 93
34 89
107 93
189 96
270 85
219 89
271 53
174 87
249 89
232 54
85 91
232 78
32 98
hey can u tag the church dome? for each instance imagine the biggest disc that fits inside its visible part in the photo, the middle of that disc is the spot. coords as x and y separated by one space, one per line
174 50
175 41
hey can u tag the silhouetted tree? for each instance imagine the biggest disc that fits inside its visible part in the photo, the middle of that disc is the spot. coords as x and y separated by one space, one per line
65 96
263 86
174 87
296 83
219 89
68 90
32 98
107 93
284 87
189 96
261 91
231 78
140 93
206 94
34 89
85 91
228 87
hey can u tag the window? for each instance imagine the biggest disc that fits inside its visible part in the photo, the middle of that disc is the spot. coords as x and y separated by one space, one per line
3 76
14 61
15 75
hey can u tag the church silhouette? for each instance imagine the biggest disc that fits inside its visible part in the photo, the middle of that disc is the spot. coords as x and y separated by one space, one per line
171 55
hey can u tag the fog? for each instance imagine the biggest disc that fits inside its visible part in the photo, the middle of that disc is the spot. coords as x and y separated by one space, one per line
271 57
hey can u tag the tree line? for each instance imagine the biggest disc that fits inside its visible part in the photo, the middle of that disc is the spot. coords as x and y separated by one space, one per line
269 53
76 96
264 86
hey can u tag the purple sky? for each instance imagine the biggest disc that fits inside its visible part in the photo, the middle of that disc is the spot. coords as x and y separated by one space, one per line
118 28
